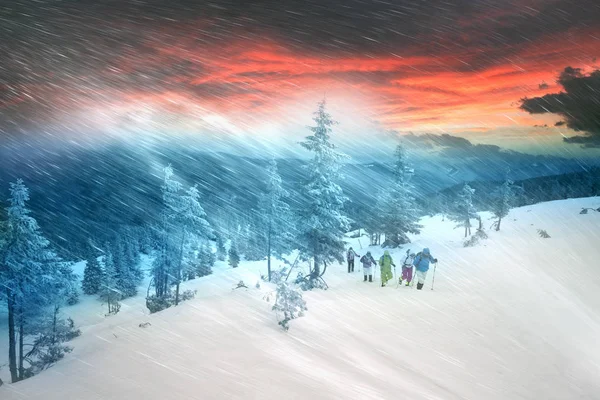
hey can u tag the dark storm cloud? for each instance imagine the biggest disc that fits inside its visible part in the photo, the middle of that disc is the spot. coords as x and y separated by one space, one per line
452 146
579 105
57 52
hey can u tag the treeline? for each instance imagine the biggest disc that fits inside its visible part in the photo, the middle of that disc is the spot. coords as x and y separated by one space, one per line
530 191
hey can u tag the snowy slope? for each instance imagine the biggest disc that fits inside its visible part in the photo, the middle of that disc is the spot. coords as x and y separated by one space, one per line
517 317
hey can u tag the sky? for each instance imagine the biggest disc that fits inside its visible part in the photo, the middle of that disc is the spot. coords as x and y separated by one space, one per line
254 70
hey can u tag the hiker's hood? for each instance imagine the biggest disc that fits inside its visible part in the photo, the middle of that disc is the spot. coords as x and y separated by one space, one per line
426 251
386 253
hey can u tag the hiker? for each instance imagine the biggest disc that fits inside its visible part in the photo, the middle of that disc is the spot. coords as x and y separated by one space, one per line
386 262
367 260
350 257
421 264
407 269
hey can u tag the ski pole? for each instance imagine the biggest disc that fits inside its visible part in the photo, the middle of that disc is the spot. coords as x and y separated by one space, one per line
433 281
396 277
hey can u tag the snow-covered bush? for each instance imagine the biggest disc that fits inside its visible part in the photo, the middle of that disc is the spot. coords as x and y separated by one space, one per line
543 234
277 275
288 301
475 239
158 303
49 347
310 281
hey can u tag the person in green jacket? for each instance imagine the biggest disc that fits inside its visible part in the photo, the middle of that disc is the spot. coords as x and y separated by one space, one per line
386 262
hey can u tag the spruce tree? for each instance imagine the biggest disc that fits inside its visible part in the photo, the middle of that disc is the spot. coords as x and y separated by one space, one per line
234 257
503 199
109 292
183 223
92 274
463 211
221 250
400 213
32 277
277 221
322 222
206 260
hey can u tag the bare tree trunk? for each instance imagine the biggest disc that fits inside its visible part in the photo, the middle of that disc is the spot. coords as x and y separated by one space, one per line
269 252
179 268
21 354
12 345
498 224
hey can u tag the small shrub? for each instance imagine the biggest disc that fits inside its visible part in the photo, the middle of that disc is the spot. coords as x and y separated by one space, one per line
73 296
48 346
156 304
475 239
279 275
543 234
288 301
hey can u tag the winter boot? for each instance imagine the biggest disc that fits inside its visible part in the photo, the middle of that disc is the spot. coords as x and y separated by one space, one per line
370 278
407 283
419 286
400 281
365 279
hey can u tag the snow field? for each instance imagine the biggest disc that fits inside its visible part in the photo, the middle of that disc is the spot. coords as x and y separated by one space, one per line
516 317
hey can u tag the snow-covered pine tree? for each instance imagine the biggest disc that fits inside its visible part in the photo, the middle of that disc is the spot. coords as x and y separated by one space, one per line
400 213
221 250
257 240
32 277
289 301
109 292
206 260
165 263
234 257
125 272
189 218
503 199
463 211
322 224
92 274
277 217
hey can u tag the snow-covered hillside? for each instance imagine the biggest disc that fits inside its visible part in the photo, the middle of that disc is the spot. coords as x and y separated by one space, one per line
517 317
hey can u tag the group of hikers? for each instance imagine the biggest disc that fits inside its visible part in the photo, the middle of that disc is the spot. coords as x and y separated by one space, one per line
419 261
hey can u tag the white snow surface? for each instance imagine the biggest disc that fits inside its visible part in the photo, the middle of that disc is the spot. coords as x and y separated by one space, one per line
517 317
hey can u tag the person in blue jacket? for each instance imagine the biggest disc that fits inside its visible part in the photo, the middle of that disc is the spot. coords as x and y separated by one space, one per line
421 264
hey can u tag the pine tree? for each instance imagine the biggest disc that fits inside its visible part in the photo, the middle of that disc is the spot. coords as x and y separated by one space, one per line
400 214
257 240
322 222
463 210
277 221
221 250
183 223
206 260
32 277
92 274
234 257
503 200
128 272
109 292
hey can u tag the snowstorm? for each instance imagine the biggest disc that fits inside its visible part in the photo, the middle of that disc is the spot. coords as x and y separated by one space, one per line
340 199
